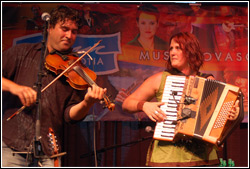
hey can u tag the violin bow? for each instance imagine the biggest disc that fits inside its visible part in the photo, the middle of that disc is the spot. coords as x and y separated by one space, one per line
70 66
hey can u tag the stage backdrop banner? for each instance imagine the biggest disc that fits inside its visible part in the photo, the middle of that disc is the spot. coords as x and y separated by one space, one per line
121 62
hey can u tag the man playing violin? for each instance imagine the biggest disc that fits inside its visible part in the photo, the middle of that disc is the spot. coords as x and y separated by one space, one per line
59 102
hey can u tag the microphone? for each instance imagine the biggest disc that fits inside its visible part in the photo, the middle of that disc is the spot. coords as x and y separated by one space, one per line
149 129
45 16
189 100
186 113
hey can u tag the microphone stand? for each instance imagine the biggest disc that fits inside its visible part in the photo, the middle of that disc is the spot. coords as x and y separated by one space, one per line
37 147
115 146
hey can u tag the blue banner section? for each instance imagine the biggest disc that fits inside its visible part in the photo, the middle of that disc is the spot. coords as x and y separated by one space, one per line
104 55
102 59
34 38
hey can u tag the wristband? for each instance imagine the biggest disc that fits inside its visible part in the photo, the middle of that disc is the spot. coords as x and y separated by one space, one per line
140 105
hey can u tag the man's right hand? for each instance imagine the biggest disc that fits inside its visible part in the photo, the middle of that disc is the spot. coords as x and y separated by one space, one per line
26 94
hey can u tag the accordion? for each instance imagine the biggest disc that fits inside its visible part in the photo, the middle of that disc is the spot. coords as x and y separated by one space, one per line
197 108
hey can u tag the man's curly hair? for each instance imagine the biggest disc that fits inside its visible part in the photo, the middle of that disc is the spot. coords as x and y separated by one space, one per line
61 13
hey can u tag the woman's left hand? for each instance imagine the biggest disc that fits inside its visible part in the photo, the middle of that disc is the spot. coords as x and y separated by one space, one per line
234 112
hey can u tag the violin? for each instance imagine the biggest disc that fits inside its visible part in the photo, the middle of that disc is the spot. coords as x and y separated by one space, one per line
76 82
57 63
79 77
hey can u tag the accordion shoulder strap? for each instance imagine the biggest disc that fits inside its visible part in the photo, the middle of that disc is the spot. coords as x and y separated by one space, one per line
205 75
161 88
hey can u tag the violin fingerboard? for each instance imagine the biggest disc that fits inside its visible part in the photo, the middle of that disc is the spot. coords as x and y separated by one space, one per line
84 75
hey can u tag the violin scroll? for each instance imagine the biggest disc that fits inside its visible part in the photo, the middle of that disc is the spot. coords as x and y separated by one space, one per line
109 104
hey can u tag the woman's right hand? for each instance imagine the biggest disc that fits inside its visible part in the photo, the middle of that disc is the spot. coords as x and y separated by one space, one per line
153 111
